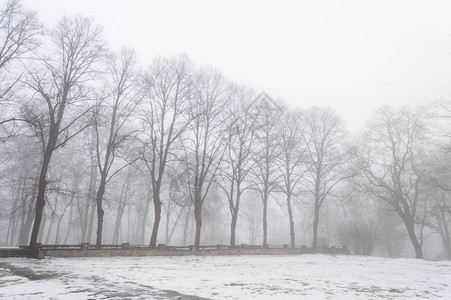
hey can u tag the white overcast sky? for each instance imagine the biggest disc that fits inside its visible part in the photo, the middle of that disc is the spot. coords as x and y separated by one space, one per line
353 56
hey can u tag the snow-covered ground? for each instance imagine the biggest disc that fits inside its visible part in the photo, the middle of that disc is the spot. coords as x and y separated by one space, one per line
225 277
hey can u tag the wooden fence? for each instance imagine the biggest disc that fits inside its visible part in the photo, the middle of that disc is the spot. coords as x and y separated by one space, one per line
126 249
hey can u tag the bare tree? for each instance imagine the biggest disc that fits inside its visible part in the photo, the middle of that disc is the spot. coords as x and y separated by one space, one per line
439 206
18 178
204 143
266 152
391 164
359 231
324 138
115 110
252 213
60 83
19 30
292 161
238 160
168 88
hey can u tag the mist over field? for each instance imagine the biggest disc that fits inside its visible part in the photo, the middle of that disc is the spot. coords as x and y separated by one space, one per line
194 126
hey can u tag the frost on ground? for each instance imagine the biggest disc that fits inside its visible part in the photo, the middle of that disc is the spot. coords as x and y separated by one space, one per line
225 277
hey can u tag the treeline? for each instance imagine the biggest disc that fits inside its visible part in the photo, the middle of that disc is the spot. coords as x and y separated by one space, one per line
94 143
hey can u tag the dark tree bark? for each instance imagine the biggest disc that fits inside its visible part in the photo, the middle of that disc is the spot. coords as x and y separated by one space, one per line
77 47
115 109
204 146
168 87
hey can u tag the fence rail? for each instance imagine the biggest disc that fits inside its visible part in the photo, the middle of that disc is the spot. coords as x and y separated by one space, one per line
86 246
85 249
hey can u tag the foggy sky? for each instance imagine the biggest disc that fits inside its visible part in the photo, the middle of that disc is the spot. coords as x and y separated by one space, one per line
350 55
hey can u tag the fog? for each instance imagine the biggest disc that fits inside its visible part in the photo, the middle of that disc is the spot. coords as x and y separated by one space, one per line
312 124
352 56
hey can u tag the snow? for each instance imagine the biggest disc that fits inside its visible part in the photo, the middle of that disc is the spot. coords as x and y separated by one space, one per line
225 277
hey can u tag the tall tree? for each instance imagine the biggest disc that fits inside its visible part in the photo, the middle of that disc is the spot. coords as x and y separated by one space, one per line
324 138
292 162
168 90
390 161
114 112
203 142
238 161
438 193
61 84
266 152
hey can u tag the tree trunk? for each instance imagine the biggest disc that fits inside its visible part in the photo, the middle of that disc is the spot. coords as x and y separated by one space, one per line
198 218
410 226
100 212
42 184
142 224
187 214
168 241
265 223
290 216
233 228
58 227
69 223
40 203
315 227
117 224
166 232
88 217
156 224
120 211
91 221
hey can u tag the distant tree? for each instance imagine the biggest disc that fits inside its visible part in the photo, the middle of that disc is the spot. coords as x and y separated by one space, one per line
324 136
292 161
361 238
265 177
238 162
392 235
251 212
18 180
60 82
390 160
439 195
359 231
19 30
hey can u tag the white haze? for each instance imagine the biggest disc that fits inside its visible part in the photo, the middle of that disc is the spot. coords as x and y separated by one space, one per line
353 56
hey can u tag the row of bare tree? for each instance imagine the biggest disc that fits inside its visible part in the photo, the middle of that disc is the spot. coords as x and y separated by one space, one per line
86 131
